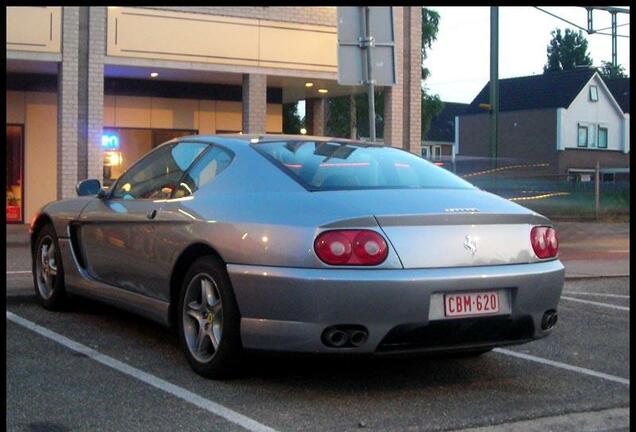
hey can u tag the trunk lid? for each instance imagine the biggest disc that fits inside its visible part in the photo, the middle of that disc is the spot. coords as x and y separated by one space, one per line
451 227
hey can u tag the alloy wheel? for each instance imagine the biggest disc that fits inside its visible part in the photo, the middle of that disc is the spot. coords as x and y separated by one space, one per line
203 317
46 267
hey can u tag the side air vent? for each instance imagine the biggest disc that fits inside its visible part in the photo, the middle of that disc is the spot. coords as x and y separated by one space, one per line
75 234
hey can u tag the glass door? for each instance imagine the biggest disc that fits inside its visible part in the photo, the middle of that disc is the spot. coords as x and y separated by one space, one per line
15 174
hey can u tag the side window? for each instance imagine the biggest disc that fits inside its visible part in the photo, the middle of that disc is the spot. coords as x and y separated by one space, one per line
156 176
204 171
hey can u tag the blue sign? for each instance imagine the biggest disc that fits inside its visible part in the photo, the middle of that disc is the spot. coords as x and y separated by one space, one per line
110 142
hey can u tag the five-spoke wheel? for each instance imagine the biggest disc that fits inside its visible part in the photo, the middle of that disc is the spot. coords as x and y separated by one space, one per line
48 275
203 317
209 320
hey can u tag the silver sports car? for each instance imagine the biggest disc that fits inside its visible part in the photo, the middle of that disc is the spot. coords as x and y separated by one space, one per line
302 244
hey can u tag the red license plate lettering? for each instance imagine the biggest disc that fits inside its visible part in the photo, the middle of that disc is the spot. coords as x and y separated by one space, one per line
468 304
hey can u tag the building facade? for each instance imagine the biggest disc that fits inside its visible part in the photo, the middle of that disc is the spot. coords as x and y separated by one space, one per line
567 122
439 141
90 89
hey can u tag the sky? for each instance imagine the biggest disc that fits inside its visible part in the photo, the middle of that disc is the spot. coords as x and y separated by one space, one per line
459 60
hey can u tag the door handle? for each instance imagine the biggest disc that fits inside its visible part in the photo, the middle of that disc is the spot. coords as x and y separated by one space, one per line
151 214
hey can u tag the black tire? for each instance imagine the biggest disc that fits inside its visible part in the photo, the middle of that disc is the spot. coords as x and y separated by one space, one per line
52 296
227 356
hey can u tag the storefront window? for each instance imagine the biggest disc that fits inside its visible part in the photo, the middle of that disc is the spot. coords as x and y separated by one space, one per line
14 183
122 147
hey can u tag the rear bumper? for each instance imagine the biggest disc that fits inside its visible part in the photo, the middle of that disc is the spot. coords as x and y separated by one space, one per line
287 309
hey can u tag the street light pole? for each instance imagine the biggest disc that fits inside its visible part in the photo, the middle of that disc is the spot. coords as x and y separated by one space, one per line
494 82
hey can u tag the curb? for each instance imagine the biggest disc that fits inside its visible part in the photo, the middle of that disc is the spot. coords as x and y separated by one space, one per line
18 242
582 277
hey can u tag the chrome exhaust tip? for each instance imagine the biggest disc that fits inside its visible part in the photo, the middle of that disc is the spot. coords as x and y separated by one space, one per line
336 338
358 338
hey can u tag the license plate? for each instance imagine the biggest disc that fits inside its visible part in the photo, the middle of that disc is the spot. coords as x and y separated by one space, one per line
470 304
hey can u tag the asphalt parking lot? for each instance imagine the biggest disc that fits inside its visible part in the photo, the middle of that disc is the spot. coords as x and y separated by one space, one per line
98 368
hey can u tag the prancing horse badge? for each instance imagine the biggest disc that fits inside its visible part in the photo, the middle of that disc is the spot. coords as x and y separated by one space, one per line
470 245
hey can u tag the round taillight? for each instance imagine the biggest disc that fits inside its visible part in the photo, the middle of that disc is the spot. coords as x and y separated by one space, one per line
545 242
333 247
351 247
552 239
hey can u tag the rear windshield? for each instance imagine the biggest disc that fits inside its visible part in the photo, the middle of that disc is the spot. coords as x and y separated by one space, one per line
337 166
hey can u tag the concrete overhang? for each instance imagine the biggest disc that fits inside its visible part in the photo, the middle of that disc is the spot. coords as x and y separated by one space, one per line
29 66
292 83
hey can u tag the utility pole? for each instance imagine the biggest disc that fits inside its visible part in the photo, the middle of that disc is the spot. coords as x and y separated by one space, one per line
614 40
597 190
494 82
353 117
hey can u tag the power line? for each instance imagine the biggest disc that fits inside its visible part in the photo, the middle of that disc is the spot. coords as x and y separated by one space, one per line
607 28
562 19
609 34
582 28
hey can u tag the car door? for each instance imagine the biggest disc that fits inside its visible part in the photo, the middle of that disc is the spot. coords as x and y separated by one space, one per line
118 233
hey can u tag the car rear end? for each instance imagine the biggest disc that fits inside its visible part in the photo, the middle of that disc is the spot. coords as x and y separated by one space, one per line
436 265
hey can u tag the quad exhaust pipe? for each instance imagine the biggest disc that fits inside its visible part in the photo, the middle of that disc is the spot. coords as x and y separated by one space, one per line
336 338
549 320
345 336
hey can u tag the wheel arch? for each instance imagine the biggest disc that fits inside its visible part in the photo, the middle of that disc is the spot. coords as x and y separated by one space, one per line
40 221
180 268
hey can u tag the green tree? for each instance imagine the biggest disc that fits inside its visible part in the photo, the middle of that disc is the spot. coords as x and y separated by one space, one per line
291 119
567 51
608 71
339 115
431 104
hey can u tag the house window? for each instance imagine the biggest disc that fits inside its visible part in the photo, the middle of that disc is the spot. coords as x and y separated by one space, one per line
602 137
437 152
426 152
593 93
608 177
582 137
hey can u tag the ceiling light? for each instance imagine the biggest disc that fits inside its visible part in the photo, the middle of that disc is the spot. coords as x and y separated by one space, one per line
309 84
322 90
154 74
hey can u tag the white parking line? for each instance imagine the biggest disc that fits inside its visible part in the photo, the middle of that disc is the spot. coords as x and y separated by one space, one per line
563 365
19 272
607 305
180 392
623 296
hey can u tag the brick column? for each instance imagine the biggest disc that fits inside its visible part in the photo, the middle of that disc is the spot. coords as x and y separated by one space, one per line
96 52
315 116
67 107
254 103
413 79
393 100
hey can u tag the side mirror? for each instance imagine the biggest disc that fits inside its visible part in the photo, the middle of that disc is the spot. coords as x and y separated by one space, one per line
88 187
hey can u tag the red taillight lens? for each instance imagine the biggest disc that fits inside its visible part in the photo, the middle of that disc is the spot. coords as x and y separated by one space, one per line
351 247
545 242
